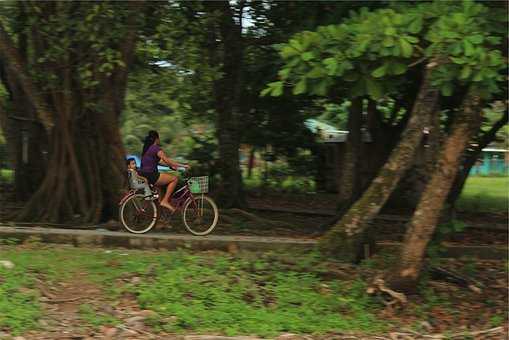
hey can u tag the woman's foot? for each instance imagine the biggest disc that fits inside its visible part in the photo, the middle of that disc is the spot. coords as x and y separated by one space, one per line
168 206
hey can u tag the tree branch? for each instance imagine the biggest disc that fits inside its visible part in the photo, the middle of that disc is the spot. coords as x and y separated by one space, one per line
14 61
490 135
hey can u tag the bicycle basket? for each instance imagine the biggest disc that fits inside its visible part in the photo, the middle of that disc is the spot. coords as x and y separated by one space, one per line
199 185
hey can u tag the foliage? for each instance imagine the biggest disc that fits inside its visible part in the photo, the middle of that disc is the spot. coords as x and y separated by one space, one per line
372 53
492 114
153 102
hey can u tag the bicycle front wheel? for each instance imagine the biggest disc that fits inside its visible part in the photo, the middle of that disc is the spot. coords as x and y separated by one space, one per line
200 215
138 215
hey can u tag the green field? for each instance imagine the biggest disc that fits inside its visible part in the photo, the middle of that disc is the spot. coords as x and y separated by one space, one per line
6 176
210 292
485 194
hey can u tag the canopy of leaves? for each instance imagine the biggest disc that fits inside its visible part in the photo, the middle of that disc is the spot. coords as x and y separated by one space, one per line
372 52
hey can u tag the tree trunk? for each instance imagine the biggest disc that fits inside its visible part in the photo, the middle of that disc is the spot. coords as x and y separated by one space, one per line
347 236
231 192
471 157
251 161
423 223
349 182
85 169
408 192
26 138
16 64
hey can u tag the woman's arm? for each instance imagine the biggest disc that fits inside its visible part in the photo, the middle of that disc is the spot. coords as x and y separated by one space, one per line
169 162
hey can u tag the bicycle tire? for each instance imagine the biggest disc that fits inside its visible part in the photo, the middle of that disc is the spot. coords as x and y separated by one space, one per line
151 216
186 218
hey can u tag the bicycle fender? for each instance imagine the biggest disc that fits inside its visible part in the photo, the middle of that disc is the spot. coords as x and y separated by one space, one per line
125 197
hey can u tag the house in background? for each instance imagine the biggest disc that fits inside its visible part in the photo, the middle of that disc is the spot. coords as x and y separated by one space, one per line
493 161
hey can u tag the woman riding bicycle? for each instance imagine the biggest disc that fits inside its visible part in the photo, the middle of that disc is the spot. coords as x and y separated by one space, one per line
151 156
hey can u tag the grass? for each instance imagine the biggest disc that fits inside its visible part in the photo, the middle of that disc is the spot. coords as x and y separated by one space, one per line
485 194
19 307
209 292
250 293
95 318
6 176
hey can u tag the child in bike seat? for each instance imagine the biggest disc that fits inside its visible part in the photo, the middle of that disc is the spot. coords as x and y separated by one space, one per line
138 182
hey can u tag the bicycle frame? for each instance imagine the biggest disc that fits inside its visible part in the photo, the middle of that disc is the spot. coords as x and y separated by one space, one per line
182 195
178 199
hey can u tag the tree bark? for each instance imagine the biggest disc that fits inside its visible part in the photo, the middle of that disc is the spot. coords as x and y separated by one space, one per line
421 227
15 62
347 236
407 194
85 169
471 157
251 161
231 192
349 182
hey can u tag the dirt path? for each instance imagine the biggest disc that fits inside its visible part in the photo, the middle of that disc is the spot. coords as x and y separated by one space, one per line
72 306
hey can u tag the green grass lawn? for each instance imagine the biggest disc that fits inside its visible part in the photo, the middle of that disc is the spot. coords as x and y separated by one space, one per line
6 176
251 293
485 194
210 292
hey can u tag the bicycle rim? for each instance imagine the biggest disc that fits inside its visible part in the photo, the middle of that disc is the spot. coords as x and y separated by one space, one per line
200 215
138 215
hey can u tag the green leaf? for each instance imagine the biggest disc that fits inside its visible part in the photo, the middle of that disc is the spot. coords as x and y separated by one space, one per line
406 48
284 73
456 48
469 49
300 88
287 52
374 88
275 89
476 39
380 71
415 26
316 72
446 89
478 76
321 88
398 68
306 56
465 72
331 65
295 44
388 42
458 60
412 39
390 31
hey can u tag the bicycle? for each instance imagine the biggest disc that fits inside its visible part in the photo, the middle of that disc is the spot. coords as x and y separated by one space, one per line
199 212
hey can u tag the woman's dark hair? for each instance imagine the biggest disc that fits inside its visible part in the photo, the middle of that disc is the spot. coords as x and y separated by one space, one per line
149 140
129 160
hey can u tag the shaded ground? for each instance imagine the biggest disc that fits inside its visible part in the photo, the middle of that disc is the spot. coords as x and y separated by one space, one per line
123 294
478 228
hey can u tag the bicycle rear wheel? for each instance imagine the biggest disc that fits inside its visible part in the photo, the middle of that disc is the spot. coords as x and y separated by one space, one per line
138 215
200 215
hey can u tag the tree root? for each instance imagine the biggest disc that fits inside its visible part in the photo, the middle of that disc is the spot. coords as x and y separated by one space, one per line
492 332
396 297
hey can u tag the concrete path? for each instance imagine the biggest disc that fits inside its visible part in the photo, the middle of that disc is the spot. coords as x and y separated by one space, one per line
155 240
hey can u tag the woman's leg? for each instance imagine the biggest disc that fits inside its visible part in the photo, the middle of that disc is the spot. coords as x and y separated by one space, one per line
171 182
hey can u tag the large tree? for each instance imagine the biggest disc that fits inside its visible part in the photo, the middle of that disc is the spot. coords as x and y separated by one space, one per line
65 67
468 35
374 54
